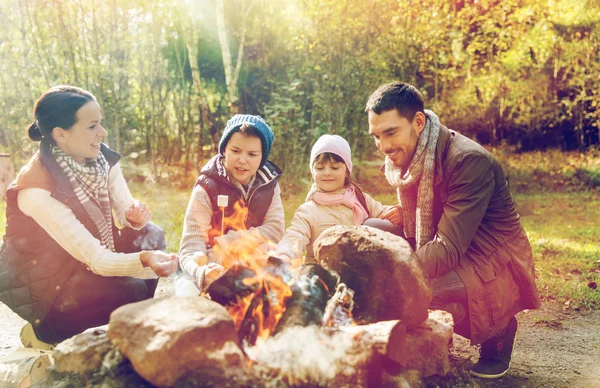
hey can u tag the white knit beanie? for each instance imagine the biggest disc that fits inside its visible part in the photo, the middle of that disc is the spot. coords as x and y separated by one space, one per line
333 144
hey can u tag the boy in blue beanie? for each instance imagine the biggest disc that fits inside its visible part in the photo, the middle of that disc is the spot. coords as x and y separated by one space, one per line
242 172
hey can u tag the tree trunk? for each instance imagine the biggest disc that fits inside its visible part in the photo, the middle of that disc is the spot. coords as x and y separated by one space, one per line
191 44
231 74
7 174
204 107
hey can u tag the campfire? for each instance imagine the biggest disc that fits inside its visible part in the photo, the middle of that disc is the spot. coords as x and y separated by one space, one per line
296 322
327 323
357 316
265 295
264 299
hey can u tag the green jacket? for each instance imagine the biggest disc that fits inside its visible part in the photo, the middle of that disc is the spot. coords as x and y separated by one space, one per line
479 235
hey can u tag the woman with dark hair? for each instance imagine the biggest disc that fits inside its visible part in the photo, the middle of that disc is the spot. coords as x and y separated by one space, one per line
64 264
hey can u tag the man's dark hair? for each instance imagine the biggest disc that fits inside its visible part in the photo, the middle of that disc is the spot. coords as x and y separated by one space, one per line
405 98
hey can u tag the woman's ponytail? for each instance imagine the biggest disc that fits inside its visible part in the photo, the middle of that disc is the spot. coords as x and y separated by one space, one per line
34 132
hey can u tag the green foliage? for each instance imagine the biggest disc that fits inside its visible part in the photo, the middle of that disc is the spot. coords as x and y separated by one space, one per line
551 171
521 71
168 206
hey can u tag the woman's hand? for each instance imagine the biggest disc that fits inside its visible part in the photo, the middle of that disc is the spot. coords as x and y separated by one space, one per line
394 215
163 264
138 214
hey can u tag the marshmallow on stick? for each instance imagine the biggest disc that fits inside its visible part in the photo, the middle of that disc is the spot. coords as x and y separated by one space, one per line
222 202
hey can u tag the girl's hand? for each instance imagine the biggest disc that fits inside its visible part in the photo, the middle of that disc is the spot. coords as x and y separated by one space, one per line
394 215
163 264
138 214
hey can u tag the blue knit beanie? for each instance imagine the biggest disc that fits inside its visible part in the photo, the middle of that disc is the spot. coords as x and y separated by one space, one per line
264 132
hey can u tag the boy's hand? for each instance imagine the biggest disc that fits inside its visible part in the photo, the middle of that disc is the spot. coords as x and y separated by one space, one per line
138 214
394 215
213 272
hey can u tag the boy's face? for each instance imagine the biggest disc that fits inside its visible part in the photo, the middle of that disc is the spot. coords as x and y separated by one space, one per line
243 155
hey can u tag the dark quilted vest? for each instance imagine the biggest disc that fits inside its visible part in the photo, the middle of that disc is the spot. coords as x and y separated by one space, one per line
33 267
213 180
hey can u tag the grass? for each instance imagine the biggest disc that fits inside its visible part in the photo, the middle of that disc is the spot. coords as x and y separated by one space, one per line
565 236
562 226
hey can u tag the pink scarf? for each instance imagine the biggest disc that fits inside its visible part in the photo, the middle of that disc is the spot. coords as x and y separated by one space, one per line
348 199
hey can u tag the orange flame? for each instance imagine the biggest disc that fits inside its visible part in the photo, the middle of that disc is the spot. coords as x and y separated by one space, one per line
236 221
251 250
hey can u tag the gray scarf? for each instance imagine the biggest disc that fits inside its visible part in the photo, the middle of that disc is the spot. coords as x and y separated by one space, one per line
415 185
90 184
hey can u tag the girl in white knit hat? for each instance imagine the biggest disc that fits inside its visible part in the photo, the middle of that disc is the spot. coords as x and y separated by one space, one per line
333 199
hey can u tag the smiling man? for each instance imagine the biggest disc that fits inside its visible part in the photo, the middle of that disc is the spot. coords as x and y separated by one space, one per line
459 215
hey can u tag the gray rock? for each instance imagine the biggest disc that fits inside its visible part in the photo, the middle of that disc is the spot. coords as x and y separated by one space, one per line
82 353
25 367
427 346
381 269
167 339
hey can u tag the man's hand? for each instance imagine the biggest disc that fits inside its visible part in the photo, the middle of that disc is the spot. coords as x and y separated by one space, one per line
394 215
138 214
163 264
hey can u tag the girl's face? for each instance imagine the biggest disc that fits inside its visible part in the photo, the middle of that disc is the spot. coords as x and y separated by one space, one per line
83 139
329 175
243 155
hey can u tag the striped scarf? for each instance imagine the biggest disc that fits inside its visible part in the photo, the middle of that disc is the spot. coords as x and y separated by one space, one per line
90 184
415 185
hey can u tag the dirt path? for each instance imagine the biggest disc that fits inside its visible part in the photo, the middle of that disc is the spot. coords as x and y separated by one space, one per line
555 347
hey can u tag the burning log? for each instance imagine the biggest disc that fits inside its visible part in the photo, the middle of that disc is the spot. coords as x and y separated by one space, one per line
230 287
254 298
338 311
310 294
236 283
261 318
252 324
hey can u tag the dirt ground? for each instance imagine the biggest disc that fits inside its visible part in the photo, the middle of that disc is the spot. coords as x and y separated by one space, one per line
556 347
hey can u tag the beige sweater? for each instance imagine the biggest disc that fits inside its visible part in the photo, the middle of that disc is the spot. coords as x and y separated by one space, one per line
193 252
311 219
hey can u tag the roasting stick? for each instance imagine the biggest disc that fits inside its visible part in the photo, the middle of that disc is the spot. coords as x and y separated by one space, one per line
222 202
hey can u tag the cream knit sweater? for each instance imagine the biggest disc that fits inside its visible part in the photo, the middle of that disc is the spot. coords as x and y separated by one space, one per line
59 221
